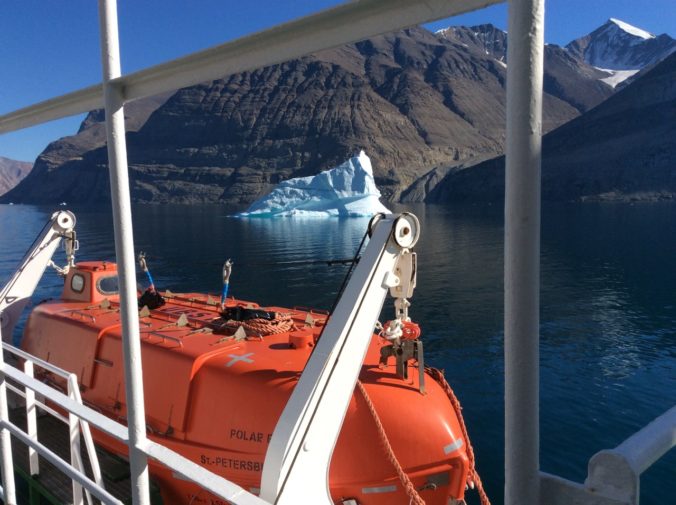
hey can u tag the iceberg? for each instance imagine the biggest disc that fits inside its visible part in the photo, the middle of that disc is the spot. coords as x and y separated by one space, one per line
347 190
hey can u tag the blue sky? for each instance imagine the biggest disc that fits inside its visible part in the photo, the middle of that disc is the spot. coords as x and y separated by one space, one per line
50 47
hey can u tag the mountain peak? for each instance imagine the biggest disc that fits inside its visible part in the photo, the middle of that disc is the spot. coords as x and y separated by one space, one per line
482 28
619 46
486 38
631 30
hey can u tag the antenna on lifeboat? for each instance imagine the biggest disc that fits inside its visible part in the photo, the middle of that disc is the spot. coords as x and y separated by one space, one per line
144 266
151 298
227 270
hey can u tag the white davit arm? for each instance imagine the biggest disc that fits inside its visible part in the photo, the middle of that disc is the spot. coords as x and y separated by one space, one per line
16 294
299 456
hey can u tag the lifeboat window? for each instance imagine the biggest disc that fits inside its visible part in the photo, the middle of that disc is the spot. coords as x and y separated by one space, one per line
77 283
108 285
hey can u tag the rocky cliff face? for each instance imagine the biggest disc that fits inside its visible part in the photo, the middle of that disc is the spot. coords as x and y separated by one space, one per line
624 149
12 172
412 100
567 76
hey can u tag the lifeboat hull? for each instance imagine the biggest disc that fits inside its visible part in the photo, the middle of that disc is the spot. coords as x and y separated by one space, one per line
214 395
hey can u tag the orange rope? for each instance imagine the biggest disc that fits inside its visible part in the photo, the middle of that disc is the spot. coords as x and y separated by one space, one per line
261 327
405 481
438 375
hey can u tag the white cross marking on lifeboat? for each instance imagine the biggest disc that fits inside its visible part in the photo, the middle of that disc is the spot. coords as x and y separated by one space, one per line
238 357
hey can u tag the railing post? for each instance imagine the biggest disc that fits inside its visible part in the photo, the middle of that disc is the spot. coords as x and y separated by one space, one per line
31 422
8 487
124 250
74 438
522 250
87 435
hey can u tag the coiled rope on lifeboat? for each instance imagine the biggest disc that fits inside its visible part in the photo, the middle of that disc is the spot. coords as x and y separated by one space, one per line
415 499
257 321
262 327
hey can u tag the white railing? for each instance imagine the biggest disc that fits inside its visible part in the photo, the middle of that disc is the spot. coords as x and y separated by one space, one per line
614 474
75 424
79 417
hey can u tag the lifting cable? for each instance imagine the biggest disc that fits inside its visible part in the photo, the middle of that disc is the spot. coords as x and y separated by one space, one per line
330 263
348 274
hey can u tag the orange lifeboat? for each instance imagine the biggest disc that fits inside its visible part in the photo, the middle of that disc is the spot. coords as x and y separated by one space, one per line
214 390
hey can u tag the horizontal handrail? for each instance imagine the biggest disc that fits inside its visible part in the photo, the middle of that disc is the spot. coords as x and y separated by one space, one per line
614 474
59 107
39 404
646 446
39 362
196 473
103 423
327 29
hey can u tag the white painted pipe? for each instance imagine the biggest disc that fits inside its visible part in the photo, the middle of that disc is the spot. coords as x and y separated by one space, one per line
8 487
649 444
124 251
615 473
31 421
522 250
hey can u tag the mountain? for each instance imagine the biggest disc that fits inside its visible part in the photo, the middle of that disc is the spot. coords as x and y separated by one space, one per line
622 49
412 100
566 76
484 38
12 172
624 149
52 181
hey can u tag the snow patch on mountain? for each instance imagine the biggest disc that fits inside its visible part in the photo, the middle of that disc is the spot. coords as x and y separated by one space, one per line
632 30
617 76
347 190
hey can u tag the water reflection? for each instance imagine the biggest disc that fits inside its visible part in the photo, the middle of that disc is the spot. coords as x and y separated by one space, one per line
608 305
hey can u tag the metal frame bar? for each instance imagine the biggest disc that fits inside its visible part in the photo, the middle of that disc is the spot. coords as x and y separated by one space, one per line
75 448
124 251
74 391
522 250
31 420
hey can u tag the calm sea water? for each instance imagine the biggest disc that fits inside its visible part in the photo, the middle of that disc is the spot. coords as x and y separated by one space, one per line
608 337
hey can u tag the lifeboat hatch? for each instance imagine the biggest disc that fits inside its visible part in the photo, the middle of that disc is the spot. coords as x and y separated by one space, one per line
91 281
